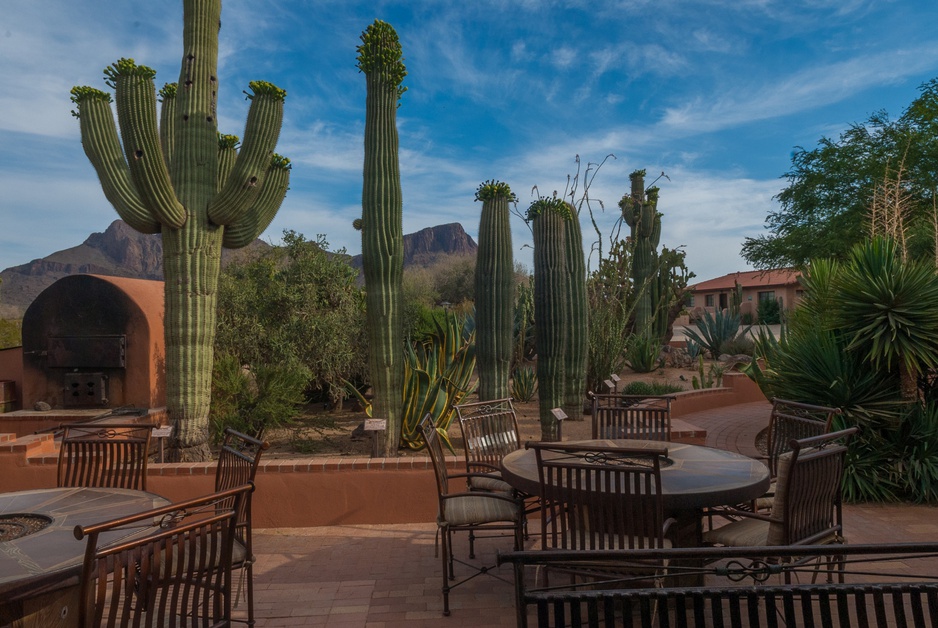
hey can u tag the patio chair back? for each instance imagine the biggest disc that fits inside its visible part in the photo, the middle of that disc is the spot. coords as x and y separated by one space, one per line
793 420
104 456
643 417
600 498
238 460
808 504
174 571
490 432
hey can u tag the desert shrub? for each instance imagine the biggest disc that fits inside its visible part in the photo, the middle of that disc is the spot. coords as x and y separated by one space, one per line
741 344
253 400
11 333
417 297
611 304
453 278
298 305
769 312
643 354
650 388
524 383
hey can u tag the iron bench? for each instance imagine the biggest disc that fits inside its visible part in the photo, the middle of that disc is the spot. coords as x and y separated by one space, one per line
863 585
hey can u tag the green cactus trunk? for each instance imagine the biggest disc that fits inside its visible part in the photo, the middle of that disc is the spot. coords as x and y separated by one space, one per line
494 292
551 309
640 212
577 346
169 180
381 224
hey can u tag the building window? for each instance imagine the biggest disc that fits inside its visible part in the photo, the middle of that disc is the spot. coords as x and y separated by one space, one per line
767 296
690 299
709 300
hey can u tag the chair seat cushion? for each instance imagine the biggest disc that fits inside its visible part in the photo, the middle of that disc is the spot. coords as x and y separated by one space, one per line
742 533
490 483
475 509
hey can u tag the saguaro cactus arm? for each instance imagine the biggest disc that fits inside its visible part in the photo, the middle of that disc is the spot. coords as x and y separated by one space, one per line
266 205
102 147
260 137
135 96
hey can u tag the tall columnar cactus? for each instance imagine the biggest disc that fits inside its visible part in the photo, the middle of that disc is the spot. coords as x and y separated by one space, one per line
551 309
379 58
639 210
577 345
183 180
494 290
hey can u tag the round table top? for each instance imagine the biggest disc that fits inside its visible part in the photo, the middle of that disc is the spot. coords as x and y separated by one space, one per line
697 476
53 554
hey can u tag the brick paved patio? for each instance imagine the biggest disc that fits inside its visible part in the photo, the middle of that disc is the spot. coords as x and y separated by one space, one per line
387 576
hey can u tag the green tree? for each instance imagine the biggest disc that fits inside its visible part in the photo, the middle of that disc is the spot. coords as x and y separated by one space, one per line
832 189
298 305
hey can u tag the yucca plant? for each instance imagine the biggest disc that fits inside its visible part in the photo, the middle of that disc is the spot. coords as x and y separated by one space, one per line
643 354
715 329
437 375
524 383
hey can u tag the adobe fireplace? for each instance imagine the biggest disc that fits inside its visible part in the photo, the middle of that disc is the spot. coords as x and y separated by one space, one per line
95 342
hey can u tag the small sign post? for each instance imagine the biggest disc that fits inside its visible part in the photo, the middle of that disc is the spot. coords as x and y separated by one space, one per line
560 415
375 426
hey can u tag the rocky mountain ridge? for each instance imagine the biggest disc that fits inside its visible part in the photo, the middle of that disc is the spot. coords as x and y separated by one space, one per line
120 251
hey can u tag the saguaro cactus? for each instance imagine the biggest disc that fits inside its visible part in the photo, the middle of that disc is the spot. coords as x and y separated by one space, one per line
494 289
183 180
379 58
576 350
639 210
551 310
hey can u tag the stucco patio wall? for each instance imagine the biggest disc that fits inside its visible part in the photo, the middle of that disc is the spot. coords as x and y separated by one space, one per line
317 491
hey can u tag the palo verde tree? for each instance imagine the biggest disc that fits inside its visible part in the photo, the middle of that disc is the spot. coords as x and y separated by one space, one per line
380 59
181 179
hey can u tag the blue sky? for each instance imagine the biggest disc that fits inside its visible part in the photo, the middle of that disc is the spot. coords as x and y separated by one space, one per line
715 93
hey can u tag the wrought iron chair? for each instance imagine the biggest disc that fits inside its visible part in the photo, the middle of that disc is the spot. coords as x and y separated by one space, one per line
644 417
469 511
490 432
104 455
807 508
238 460
791 420
599 498
170 566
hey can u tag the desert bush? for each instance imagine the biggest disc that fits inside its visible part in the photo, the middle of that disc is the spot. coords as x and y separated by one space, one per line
11 333
769 312
253 400
298 306
741 344
650 388
609 292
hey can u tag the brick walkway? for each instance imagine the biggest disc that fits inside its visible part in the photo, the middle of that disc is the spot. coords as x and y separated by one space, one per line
387 576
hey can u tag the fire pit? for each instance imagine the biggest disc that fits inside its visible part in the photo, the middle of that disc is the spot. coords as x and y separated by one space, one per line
17 526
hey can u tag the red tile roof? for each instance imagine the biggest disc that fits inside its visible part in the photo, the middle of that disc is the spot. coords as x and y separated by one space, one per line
749 279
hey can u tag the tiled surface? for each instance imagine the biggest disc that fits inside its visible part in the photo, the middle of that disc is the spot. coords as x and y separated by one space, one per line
387 576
